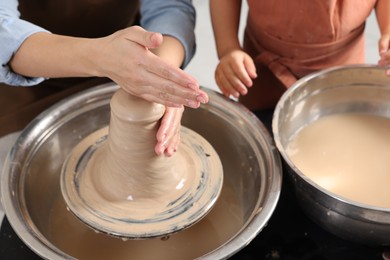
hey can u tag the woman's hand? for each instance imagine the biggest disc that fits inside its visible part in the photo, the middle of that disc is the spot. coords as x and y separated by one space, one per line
234 73
126 59
168 135
123 56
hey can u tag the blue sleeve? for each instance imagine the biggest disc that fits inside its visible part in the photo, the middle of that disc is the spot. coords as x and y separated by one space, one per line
13 32
175 18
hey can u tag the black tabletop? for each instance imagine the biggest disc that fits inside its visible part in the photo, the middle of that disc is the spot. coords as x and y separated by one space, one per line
288 235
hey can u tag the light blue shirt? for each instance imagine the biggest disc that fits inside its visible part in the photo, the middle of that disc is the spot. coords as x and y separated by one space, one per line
169 17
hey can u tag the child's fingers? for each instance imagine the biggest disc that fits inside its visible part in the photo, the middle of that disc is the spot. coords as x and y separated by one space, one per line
383 44
225 86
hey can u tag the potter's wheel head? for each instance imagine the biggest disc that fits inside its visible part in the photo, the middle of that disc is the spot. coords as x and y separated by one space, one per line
144 218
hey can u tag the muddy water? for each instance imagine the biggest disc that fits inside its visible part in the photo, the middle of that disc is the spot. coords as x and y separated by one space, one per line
77 240
348 154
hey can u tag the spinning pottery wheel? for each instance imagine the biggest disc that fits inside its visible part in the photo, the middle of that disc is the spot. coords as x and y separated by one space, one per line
34 204
115 183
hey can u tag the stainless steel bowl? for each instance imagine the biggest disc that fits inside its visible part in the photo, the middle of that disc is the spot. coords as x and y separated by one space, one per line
31 187
355 88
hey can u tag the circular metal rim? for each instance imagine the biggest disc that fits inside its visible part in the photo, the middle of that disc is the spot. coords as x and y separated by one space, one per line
275 128
250 230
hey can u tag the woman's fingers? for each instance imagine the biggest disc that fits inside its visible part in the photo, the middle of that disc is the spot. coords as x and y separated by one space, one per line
145 38
126 59
168 135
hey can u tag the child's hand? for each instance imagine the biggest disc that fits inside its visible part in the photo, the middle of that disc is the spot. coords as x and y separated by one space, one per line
234 73
384 52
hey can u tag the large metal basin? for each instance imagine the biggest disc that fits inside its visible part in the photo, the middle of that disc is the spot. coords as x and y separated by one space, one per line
31 187
355 88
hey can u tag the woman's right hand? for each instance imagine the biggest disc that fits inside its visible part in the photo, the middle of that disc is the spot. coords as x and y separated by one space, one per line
234 73
126 59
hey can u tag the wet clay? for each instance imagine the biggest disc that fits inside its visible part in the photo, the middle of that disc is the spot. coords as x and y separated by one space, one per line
126 168
73 237
118 184
347 154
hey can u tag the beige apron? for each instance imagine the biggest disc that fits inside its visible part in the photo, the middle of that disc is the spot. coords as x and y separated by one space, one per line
84 18
290 39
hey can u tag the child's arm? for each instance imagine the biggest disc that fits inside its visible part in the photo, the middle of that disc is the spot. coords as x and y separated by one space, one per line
225 18
236 69
383 16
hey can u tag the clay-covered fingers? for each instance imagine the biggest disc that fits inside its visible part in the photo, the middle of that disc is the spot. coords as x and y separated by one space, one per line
127 60
171 86
171 96
168 135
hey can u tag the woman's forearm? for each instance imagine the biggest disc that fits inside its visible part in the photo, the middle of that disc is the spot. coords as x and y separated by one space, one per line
51 56
124 56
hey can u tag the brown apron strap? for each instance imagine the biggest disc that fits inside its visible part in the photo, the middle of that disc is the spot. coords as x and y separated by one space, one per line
20 105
